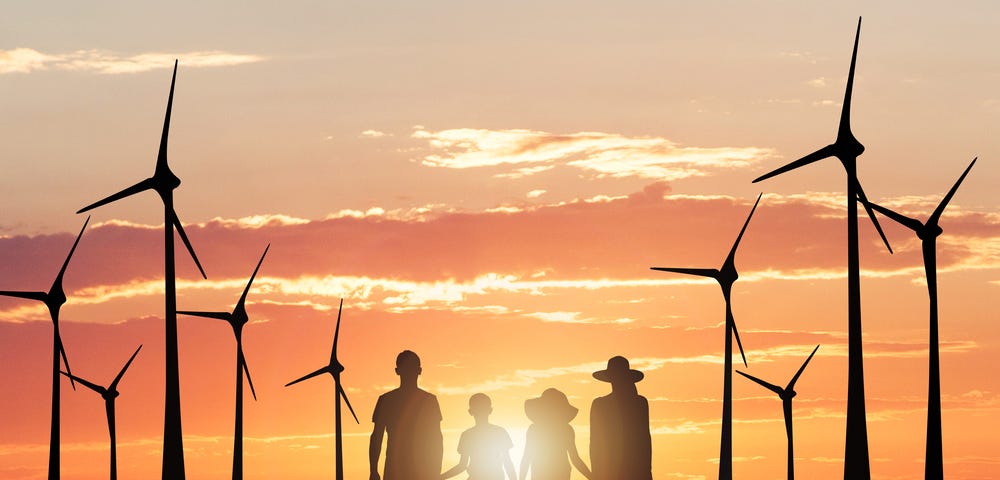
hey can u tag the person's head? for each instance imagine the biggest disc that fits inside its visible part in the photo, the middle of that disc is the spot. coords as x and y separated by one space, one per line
408 364
619 374
480 405
551 408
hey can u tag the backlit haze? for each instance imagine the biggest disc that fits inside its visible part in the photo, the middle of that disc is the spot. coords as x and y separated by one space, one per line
488 185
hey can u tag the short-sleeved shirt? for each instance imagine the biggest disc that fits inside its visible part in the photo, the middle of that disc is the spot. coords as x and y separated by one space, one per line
487 447
548 446
414 447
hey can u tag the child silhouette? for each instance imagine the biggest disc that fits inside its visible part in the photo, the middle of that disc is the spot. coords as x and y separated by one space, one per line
551 443
484 448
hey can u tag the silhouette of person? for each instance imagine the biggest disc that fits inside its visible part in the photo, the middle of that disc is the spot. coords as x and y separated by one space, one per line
412 419
620 443
484 448
550 445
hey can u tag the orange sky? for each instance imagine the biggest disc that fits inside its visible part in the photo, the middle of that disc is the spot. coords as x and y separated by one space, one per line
488 186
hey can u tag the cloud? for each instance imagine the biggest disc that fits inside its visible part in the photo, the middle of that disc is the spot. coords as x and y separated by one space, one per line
817 82
536 193
373 134
27 60
523 152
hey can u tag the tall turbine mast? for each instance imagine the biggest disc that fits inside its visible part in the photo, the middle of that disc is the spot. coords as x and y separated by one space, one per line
237 319
928 232
334 368
726 276
53 300
847 148
163 182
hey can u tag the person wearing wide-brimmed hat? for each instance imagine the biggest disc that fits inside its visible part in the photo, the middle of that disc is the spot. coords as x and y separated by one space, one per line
551 443
620 442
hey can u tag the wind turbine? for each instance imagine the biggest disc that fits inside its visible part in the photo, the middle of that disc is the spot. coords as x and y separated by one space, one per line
928 232
54 299
237 319
726 276
108 394
847 149
163 182
785 394
334 368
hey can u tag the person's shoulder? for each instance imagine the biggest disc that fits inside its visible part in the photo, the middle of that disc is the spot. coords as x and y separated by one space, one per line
600 401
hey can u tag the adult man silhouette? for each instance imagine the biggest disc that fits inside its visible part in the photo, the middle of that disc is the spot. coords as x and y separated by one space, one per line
620 443
412 419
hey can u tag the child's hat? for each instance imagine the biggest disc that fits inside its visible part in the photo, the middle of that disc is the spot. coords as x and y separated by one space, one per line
552 405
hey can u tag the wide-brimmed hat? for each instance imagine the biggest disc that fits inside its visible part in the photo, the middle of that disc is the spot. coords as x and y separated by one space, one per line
551 406
618 369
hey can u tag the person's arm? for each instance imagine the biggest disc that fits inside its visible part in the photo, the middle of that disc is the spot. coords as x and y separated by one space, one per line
529 447
463 463
374 450
574 455
508 466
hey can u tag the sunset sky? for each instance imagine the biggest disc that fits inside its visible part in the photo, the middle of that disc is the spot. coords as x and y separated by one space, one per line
488 185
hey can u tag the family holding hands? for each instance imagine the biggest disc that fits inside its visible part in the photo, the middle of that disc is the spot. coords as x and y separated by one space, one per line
620 442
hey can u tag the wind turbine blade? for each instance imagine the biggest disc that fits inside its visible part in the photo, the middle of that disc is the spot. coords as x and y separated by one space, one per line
92 386
871 214
732 253
161 158
845 114
40 296
246 370
701 272
62 351
736 333
911 223
791 384
947 198
217 315
825 152
308 376
343 394
247 289
336 335
118 378
71 250
142 186
187 243
769 386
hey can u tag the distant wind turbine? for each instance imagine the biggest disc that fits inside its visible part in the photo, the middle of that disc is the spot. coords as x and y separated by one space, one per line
847 148
237 319
109 395
726 276
163 182
786 394
928 232
53 300
334 368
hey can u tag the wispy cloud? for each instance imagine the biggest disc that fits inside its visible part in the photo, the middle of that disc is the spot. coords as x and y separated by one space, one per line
528 152
27 60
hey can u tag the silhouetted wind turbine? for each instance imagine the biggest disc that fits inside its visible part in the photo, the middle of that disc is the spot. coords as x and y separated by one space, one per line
786 394
847 148
928 232
109 394
163 182
54 299
237 319
334 368
726 276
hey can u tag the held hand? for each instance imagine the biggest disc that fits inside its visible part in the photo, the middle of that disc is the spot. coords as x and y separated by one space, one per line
374 475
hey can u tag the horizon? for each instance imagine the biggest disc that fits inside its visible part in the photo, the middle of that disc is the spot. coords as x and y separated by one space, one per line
489 190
